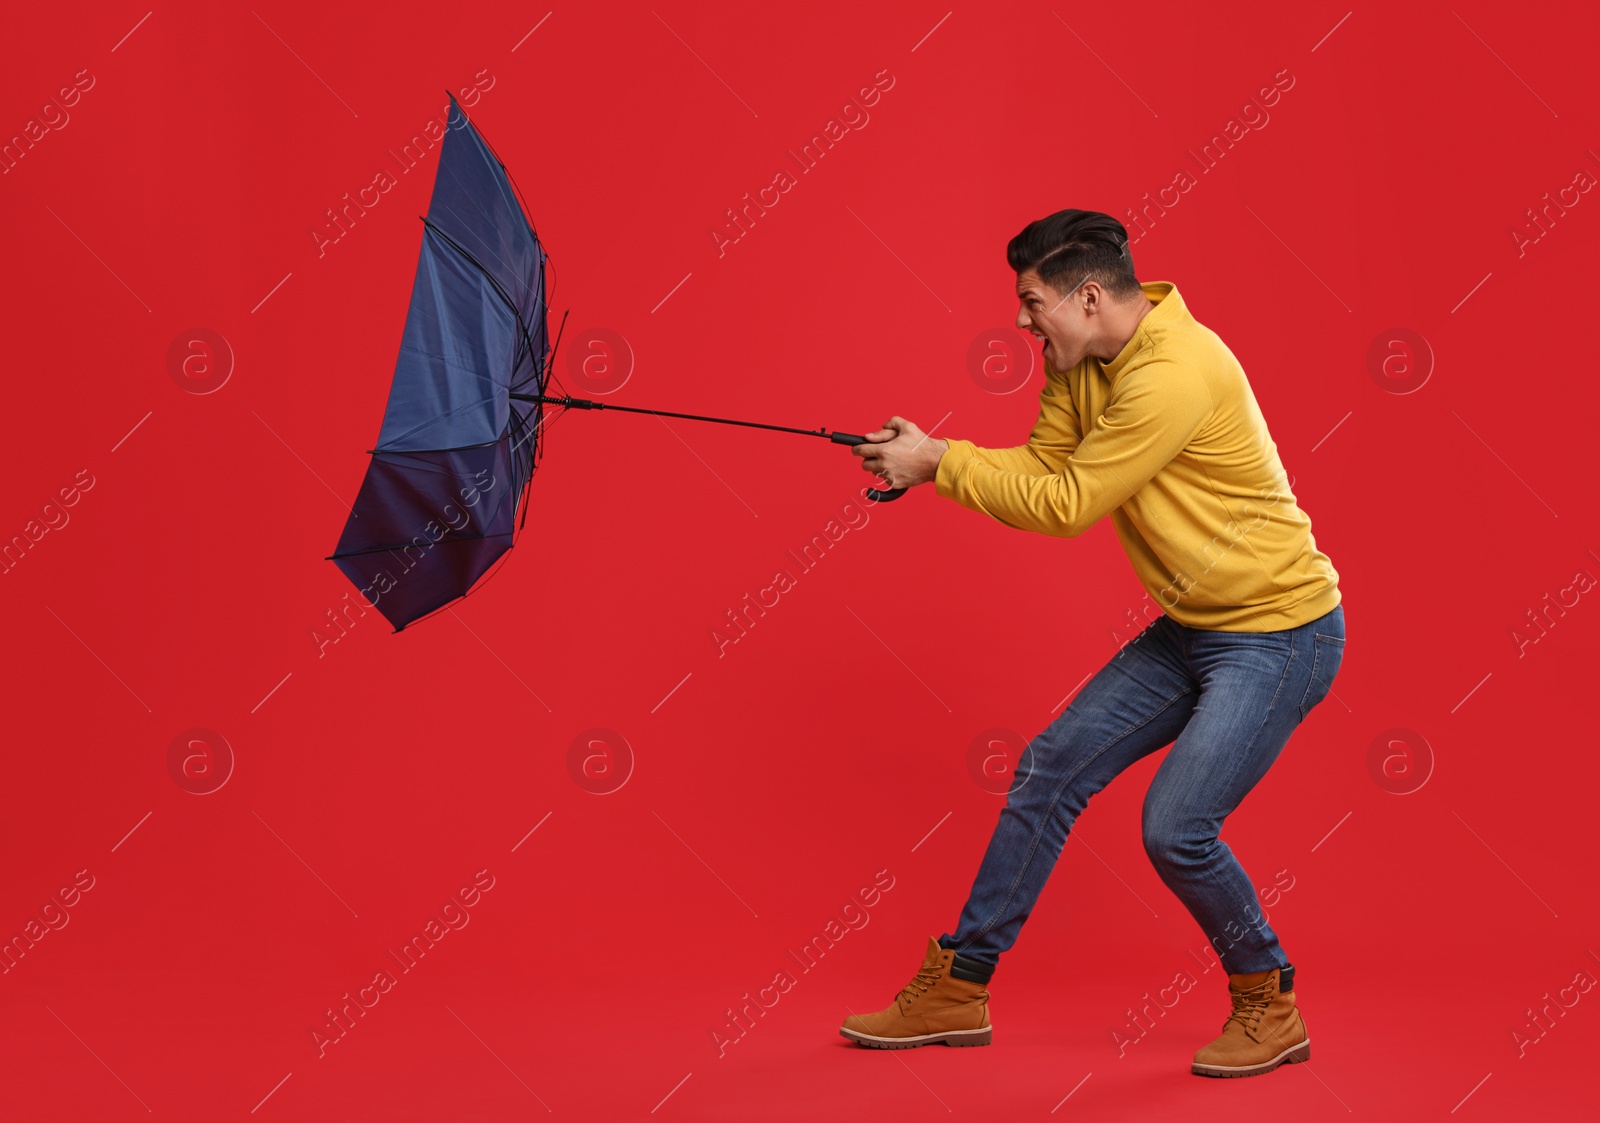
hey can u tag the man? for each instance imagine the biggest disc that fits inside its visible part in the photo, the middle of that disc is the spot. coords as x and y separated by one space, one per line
1146 416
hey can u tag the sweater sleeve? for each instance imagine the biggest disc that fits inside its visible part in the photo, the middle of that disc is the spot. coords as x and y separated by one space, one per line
1155 410
1055 434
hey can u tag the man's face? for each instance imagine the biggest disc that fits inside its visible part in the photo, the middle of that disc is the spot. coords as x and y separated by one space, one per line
1059 321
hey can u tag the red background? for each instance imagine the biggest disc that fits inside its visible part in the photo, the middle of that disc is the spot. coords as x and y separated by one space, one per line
768 785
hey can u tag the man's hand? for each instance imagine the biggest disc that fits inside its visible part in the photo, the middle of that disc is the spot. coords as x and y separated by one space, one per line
902 454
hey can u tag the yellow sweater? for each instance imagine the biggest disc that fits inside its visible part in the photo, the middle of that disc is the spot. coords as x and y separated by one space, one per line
1178 454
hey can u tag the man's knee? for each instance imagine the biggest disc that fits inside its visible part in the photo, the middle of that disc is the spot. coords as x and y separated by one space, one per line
1178 845
1052 755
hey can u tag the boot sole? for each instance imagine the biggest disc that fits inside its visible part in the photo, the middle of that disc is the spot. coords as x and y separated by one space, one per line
1291 1056
957 1037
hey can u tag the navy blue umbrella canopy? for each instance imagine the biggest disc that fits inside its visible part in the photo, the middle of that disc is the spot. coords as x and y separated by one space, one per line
439 502
462 431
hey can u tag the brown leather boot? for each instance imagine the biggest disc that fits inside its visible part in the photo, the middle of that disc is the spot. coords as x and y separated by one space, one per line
935 1006
1264 1030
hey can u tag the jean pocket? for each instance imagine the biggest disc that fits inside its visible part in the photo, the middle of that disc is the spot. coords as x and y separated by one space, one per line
1327 657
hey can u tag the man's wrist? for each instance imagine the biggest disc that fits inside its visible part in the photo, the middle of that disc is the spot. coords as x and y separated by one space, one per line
940 447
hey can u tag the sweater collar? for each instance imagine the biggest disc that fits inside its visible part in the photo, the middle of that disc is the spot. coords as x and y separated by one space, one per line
1167 307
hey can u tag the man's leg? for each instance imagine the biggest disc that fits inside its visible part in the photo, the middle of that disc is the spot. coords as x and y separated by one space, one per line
1137 703
1255 688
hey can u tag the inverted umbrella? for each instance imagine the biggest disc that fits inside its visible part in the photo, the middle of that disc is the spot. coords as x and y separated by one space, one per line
461 433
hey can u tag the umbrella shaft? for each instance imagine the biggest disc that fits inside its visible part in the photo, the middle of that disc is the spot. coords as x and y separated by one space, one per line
581 403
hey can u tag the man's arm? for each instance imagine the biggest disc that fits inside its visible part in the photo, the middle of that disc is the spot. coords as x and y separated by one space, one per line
1155 411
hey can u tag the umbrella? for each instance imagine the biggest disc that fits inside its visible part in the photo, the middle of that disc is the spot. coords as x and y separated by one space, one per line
461 433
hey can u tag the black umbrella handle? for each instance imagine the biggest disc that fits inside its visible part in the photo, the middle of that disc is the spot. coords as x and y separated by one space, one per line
873 493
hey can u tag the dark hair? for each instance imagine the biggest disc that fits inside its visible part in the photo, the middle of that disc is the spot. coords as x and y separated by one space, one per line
1072 246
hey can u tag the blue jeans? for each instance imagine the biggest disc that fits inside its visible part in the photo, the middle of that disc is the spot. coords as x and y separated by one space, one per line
1226 702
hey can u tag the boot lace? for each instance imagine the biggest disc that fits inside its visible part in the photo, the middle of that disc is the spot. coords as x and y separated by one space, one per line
1249 1008
923 981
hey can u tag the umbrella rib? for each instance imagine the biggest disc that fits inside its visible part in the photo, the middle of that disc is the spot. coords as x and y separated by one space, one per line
521 206
522 209
485 214
538 247
505 298
487 218
526 214
515 311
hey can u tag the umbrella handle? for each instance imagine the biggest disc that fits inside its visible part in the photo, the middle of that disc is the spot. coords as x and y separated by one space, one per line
873 493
